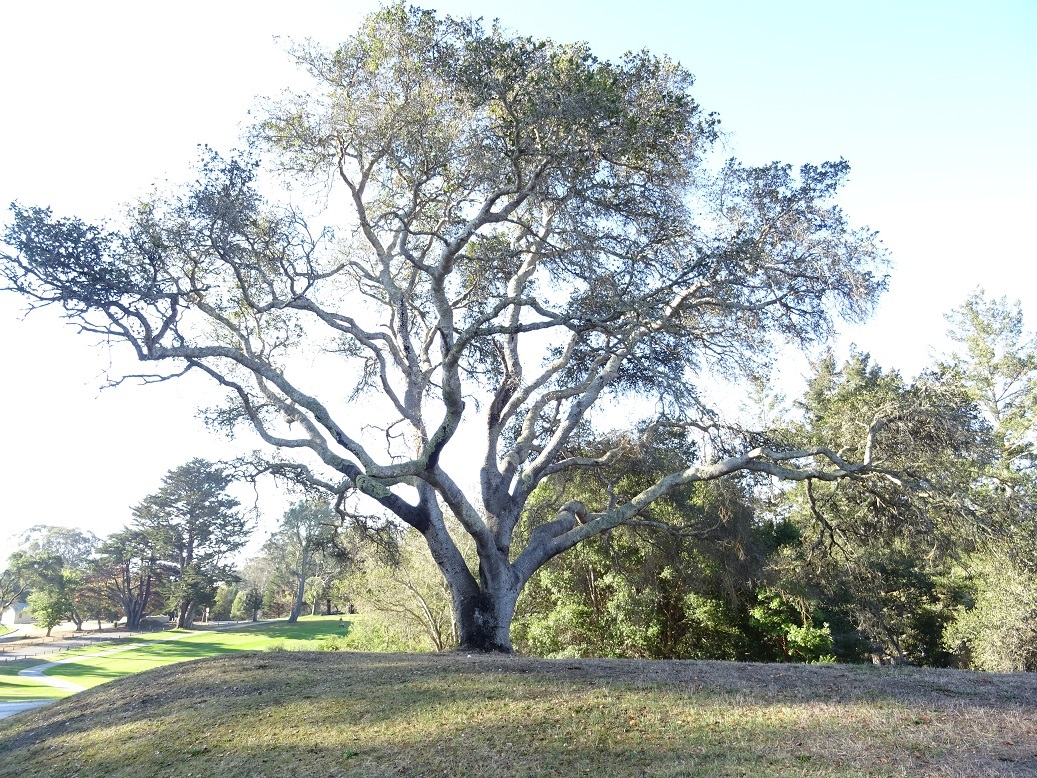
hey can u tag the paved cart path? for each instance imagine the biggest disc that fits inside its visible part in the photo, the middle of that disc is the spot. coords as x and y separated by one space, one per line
10 708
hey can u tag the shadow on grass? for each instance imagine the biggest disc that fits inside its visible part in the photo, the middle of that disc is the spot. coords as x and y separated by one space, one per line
13 668
395 716
343 714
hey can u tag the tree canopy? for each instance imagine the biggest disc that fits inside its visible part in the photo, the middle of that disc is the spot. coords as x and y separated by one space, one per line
192 526
302 546
527 240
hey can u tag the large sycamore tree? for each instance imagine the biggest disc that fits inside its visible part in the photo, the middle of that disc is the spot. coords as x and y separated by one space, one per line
531 245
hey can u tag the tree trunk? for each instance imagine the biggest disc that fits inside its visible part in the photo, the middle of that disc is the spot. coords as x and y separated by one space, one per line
301 591
185 615
483 607
134 612
484 622
484 611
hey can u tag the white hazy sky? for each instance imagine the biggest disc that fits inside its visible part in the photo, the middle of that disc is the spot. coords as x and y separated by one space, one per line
932 102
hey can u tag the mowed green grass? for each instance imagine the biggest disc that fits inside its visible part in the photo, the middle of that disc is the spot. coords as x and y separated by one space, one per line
168 648
16 689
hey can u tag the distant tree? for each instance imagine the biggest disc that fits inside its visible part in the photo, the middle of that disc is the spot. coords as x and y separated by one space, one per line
75 549
277 599
334 563
306 534
882 548
329 566
12 588
224 602
258 571
93 599
74 546
534 234
49 607
996 364
128 570
194 526
247 604
264 571
49 586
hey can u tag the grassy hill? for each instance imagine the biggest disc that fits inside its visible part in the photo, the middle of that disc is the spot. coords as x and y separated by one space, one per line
353 714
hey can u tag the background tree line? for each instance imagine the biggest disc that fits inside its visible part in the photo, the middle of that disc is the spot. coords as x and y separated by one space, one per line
933 565
169 559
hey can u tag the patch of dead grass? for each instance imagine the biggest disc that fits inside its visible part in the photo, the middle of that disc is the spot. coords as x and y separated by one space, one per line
345 714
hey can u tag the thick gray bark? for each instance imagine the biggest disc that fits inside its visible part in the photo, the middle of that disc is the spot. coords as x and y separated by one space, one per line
300 590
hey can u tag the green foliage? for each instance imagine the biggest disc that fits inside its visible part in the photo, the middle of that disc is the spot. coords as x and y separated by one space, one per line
645 592
194 527
38 569
49 607
379 631
68 564
996 629
399 589
50 585
128 573
224 602
789 630
998 369
277 601
877 551
999 631
247 604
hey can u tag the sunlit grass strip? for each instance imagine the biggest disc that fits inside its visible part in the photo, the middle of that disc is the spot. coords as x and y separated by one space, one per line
16 689
92 671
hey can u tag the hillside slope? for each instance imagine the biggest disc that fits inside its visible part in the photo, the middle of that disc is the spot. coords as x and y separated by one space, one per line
349 714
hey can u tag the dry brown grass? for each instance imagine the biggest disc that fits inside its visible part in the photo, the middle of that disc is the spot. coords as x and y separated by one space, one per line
344 714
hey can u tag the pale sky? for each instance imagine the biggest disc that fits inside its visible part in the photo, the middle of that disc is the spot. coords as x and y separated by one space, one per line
932 102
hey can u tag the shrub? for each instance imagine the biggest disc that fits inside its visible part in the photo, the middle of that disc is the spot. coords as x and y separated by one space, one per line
999 633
